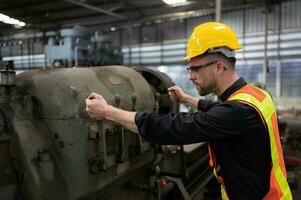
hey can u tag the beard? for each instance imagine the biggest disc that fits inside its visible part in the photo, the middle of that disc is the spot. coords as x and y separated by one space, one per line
205 90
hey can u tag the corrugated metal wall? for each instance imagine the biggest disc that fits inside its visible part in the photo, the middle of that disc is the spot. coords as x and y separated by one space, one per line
169 38
165 44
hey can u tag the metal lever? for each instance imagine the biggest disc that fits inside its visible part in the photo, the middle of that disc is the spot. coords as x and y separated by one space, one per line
158 182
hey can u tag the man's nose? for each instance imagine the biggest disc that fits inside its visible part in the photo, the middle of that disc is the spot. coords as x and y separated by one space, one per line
191 76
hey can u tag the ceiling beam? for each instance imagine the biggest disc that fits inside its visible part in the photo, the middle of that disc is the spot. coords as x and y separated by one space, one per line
117 7
105 21
202 12
97 9
76 15
186 14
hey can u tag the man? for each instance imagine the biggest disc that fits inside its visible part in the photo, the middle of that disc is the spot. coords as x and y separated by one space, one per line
241 130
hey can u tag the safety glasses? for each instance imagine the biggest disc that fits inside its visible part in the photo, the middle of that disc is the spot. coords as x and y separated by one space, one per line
195 69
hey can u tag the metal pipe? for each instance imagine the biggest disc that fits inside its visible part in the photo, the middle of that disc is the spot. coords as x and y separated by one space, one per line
130 42
278 67
44 40
201 12
218 10
265 57
75 56
76 48
243 33
28 53
21 52
278 79
115 8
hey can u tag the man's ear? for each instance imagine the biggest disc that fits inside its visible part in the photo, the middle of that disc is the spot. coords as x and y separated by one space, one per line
221 67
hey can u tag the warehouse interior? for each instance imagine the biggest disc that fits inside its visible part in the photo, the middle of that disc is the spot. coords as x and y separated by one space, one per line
44 43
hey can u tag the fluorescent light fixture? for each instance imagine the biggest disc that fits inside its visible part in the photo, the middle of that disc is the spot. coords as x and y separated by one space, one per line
8 20
174 2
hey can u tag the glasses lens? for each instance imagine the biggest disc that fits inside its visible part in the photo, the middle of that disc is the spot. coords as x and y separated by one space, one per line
197 68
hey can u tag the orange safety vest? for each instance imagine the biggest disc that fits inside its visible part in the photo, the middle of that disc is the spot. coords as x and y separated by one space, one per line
262 102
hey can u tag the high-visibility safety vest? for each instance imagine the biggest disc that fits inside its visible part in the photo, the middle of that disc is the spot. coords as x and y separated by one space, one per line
262 102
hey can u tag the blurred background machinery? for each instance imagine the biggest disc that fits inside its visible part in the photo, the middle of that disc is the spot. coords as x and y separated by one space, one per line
68 47
290 129
78 47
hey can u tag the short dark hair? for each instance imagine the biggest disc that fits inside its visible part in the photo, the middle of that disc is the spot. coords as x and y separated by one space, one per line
231 61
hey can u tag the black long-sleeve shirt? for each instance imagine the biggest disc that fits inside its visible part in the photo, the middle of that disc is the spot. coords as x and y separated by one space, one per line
237 136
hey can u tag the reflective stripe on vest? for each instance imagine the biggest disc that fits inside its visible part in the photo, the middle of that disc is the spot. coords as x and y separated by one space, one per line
262 102
219 178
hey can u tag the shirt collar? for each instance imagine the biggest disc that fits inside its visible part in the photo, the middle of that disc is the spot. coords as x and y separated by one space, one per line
233 88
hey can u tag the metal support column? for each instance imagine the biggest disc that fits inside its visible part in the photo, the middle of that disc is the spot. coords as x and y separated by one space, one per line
218 10
130 37
265 56
278 66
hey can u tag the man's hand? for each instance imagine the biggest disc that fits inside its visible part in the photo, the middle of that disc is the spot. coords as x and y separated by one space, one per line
176 94
96 106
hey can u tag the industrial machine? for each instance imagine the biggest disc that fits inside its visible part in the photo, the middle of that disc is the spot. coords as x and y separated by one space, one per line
68 47
77 46
50 149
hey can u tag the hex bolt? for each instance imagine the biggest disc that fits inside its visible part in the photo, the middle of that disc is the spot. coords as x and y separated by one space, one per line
61 144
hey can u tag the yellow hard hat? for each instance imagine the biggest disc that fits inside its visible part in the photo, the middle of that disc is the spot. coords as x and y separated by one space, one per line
211 35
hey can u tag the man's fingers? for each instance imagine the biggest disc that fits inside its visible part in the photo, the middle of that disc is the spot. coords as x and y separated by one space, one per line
91 115
97 96
175 87
171 89
88 106
172 93
87 109
94 95
91 96
87 102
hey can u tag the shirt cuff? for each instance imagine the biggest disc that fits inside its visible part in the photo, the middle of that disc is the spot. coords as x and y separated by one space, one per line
138 120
